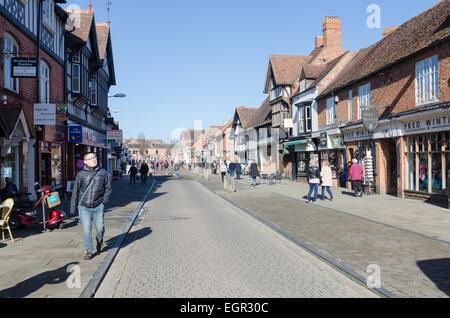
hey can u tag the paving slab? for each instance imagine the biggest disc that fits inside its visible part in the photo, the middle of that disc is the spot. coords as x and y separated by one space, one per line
412 262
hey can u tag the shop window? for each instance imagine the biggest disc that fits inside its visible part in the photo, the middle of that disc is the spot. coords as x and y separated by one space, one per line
10 165
10 50
423 143
423 172
302 164
436 173
411 172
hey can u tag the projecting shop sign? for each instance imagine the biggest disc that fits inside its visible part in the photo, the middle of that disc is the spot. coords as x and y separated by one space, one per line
44 114
23 67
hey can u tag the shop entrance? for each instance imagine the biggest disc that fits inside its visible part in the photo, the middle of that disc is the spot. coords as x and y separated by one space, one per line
46 166
391 169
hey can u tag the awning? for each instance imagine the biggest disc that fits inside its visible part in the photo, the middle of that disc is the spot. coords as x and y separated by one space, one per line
297 142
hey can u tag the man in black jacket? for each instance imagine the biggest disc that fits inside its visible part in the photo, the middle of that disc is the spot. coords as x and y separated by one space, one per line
91 192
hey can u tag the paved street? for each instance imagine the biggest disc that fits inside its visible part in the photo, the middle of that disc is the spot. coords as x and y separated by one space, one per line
414 260
191 243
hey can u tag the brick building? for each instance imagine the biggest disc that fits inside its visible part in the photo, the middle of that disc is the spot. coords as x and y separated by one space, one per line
405 78
32 29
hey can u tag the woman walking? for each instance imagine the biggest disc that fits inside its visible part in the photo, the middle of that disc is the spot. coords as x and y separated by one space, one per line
223 170
253 172
313 175
327 179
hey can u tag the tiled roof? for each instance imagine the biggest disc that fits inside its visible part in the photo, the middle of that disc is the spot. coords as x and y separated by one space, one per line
420 32
313 71
102 38
263 115
246 115
286 68
85 23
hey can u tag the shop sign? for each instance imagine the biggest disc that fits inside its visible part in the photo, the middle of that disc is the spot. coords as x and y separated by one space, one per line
23 67
61 112
323 140
370 119
438 123
44 114
336 142
76 134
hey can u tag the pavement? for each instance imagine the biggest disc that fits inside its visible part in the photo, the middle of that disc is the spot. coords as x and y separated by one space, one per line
41 265
190 243
408 240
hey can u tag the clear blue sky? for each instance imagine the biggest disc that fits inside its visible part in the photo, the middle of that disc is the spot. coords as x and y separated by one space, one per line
180 61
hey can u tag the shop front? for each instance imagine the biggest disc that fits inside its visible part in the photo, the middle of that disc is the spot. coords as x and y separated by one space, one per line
332 149
304 150
52 151
17 156
426 155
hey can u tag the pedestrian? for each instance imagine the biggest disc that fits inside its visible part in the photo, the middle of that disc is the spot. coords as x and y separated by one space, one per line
232 168
253 172
166 166
144 171
90 194
246 169
214 166
327 179
132 172
223 170
355 175
238 170
313 176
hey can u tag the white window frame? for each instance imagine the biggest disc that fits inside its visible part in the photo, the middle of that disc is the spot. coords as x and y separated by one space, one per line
308 121
44 75
331 111
301 119
363 98
427 81
10 43
350 105
303 85
76 78
93 91
48 14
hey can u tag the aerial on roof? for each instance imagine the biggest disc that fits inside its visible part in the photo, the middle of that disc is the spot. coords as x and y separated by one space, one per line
424 30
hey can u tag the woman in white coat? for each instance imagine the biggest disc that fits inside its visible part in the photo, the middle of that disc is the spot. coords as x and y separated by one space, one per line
326 176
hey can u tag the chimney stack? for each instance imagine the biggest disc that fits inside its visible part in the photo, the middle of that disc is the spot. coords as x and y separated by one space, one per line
319 41
388 31
332 33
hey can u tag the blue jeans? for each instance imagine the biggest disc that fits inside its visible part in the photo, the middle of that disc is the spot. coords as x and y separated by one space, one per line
232 173
144 178
329 192
315 187
86 216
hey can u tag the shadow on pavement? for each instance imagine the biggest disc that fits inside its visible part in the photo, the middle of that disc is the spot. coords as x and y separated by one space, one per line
30 285
131 238
438 271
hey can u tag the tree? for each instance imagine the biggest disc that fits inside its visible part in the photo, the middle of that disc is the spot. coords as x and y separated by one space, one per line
141 144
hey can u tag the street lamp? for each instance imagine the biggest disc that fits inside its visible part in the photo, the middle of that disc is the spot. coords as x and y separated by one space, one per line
121 95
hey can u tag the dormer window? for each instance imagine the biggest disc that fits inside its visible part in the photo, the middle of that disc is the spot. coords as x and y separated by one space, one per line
303 85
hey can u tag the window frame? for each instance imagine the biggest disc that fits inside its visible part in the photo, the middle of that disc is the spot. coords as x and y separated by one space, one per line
350 105
427 80
76 78
44 78
364 98
331 106
10 82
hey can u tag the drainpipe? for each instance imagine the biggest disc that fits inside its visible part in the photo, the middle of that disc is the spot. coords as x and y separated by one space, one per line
38 173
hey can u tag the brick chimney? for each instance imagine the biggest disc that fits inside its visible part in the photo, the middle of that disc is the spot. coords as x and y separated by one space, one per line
332 32
319 41
388 31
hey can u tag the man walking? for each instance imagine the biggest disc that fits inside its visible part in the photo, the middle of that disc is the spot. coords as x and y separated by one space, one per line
144 171
132 172
91 192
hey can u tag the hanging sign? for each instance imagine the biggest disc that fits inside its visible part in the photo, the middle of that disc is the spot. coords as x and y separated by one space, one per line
23 67
370 119
76 134
44 114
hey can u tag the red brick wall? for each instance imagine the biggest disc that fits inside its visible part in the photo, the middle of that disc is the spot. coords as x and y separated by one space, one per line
27 87
395 88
